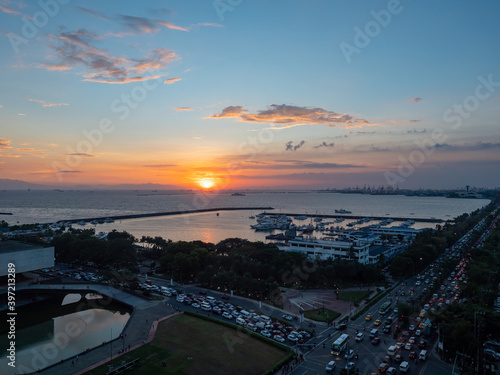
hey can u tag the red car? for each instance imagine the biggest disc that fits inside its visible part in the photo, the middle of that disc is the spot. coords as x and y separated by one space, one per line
225 296
376 341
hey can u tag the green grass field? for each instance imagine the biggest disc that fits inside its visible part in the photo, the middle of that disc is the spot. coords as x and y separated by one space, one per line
190 346
354 296
321 315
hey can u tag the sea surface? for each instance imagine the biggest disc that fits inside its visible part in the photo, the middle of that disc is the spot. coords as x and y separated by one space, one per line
38 206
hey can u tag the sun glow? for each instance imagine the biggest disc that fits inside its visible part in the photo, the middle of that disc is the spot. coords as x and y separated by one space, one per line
207 183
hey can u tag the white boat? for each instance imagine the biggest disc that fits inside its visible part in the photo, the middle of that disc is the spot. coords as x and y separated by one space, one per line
109 220
94 222
300 217
81 222
342 211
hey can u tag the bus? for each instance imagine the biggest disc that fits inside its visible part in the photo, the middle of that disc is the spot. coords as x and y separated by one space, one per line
340 344
385 308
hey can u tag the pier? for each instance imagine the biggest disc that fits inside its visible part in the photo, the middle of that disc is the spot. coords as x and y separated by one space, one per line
169 213
357 217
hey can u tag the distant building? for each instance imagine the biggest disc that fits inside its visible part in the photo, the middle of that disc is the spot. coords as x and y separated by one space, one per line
26 257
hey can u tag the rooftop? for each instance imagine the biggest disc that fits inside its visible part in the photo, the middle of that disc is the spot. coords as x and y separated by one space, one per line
11 246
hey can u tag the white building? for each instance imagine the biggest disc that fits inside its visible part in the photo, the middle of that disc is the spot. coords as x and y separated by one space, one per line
330 248
25 257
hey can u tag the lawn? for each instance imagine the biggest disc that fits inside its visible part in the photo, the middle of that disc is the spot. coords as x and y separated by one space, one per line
190 346
354 296
321 315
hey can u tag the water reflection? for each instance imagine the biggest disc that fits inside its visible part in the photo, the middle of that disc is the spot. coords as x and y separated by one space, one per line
62 337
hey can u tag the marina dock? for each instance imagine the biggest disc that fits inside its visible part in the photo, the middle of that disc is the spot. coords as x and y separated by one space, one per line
357 217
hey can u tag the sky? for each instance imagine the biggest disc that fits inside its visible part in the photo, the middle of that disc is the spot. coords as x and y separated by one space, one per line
244 94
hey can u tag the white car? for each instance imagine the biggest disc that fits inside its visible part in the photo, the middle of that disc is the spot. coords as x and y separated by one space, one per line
227 315
360 336
196 305
287 317
349 354
279 338
265 333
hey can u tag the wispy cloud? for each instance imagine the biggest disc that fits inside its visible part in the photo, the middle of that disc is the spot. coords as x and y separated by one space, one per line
94 13
290 147
286 116
9 10
45 104
416 100
326 145
134 24
82 154
76 49
183 109
208 24
169 81
5 143
159 166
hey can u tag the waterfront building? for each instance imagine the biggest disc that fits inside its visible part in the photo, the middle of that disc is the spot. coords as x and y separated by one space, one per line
26 257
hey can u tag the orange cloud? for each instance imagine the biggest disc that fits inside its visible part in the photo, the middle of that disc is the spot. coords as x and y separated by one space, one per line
5 143
171 80
45 104
286 116
182 109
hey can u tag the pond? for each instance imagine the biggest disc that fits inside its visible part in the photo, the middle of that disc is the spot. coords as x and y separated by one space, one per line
82 323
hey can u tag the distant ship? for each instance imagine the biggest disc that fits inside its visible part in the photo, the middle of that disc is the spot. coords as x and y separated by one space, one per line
238 194
342 211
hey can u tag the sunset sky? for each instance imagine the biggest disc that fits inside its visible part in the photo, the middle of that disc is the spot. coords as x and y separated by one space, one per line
250 93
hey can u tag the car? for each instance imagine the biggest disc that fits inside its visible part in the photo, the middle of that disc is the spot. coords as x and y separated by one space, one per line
398 358
202 292
398 345
408 346
341 326
360 336
412 355
368 317
412 340
376 341
287 317
391 371
279 338
387 359
331 366
227 315
396 310
411 328
418 283
418 332
350 366
265 333
422 344
293 338
377 322
387 329
383 367
349 354
224 297
388 321
196 305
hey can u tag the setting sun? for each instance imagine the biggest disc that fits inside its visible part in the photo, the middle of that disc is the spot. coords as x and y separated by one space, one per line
207 183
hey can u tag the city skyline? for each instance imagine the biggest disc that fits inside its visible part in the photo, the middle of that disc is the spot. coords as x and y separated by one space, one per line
239 94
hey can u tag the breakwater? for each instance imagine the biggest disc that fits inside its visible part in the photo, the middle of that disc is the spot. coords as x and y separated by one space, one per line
168 213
